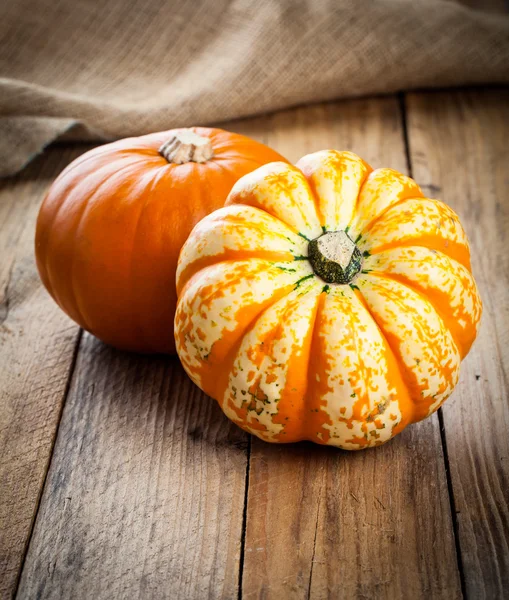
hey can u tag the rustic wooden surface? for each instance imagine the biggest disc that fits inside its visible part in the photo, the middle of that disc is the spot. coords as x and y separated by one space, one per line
306 505
119 479
37 345
459 148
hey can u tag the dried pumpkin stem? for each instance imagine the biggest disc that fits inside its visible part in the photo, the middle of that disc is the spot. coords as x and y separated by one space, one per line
186 146
334 257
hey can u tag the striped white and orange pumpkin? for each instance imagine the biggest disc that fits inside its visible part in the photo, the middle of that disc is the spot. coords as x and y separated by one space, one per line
289 352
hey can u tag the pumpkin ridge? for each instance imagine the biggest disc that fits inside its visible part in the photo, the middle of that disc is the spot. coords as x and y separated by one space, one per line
313 421
401 178
216 161
229 360
332 165
268 265
155 175
300 208
355 209
73 188
416 217
101 151
316 201
307 360
72 269
216 259
421 409
290 227
394 361
360 401
72 288
459 270
278 179
368 226
234 219
194 298
264 230
292 393
445 320
79 225
47 272
457 248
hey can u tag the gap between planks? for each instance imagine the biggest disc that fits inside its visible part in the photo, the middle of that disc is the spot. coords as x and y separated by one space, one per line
57 426
443 436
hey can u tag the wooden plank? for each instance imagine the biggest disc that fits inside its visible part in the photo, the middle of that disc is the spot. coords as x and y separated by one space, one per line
37 344
460 152
325 523
145 493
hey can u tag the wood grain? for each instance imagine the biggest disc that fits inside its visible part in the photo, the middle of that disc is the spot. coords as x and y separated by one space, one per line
144 497
145 493
325 523
459 149
37 344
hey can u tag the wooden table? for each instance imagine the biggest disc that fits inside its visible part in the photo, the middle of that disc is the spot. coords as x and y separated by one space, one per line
119 479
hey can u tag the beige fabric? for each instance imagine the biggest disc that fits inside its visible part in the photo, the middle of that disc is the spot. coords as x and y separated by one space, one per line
128 67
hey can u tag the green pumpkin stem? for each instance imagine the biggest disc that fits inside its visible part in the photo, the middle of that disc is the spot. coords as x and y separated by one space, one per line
334 257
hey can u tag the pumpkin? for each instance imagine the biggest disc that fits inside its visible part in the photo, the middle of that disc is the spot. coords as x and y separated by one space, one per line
111 227
326 301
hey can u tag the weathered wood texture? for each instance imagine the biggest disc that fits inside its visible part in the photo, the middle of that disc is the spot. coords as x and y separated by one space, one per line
460 152
325 523
145 493
37 344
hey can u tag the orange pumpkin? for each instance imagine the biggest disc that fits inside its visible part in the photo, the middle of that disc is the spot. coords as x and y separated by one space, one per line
111 227
327 302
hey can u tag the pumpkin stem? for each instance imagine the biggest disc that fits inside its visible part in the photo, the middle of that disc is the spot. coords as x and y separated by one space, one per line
186 146
334 257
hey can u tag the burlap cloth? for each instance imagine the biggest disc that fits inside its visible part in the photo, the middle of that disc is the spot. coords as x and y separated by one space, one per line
126 67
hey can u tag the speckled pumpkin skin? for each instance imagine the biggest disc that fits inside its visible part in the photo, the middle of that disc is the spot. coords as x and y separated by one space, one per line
289 357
